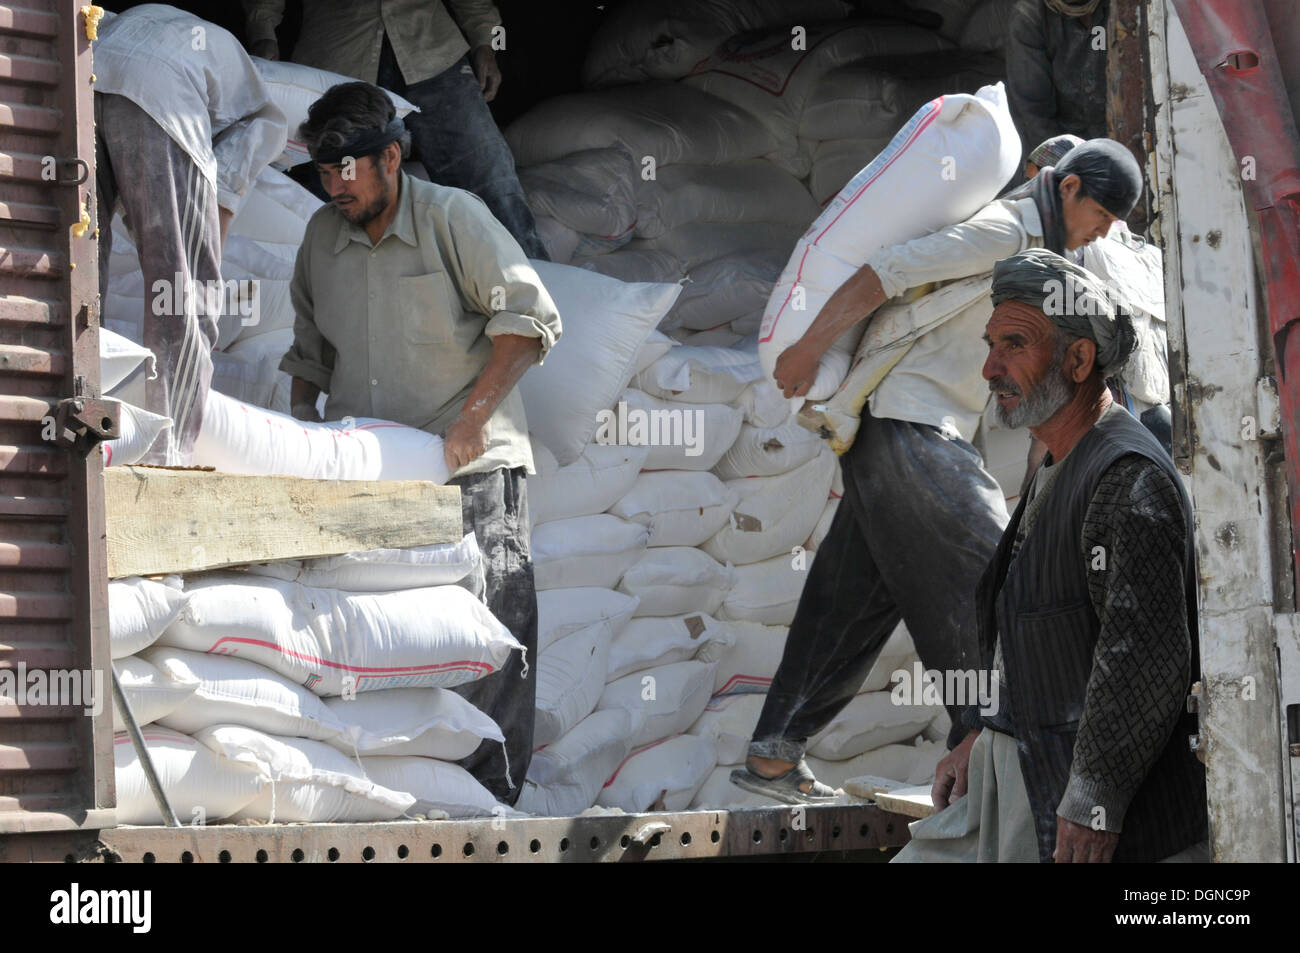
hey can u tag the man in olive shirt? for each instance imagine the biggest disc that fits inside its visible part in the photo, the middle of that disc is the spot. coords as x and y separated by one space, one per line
412 303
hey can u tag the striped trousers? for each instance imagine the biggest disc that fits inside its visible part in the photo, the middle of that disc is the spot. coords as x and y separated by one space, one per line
170 209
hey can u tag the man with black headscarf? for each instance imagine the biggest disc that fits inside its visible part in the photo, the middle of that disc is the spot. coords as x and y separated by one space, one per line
1087 611
1056 68
412 303
921 515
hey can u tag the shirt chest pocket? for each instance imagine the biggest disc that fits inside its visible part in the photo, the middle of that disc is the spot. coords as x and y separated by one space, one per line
428 307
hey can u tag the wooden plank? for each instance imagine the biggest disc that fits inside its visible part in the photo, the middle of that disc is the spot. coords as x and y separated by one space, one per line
869 785
909 801
167 520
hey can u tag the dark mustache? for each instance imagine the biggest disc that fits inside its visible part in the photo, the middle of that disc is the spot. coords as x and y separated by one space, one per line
1006 384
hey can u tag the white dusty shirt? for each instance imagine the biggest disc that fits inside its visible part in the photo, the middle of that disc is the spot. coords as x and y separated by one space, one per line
939 380
194 80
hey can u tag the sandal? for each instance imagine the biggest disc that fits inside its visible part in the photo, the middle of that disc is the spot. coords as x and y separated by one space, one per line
785 787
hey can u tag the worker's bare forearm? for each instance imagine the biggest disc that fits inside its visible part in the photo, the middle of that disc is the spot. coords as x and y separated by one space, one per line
854 300
512 355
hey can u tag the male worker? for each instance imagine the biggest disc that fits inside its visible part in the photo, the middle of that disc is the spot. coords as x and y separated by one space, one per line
1087 612
412 303
416 49
1056 68
1049 152
183 125
920 516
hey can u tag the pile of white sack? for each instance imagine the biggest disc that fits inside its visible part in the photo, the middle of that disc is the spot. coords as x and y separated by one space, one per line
677 504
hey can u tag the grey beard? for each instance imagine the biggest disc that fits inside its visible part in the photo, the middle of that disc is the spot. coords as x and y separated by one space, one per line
1050 394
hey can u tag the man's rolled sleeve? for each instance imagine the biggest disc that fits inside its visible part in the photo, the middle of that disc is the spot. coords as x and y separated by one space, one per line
958 251
1135 529
495 276
476 18
311 356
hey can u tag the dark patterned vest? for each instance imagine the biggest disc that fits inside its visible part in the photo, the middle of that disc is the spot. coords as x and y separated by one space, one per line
1041 606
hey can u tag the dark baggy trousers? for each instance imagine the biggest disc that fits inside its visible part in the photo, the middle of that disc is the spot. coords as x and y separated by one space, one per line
918 524
494 507
170 209
458 141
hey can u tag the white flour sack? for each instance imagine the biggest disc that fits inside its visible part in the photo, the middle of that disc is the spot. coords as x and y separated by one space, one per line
732 288
305 780
729 722
767 592
774 514
424 722
950 159
646 643
680 436
679 507
118 357
235 691
294 88
570 679
140 430
823 527
587 486
768 451
139 610
751 665
869 721
585 551
562 612
677 580
382 570
701 375
240 438
591 191
767 76
752 191
670 697
605 323
906 763
670 123
897 654
435 785
148 691
663 776
640 41
565 777
332 641
199 785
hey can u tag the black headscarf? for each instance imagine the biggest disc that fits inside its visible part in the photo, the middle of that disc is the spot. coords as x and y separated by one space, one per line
1109 175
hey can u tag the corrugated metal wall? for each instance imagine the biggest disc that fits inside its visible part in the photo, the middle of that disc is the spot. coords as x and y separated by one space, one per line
55 762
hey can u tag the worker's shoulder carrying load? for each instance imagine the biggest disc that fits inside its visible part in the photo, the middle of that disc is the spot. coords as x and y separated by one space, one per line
949 160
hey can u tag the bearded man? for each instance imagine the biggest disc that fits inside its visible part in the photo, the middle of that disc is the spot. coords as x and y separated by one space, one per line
1086 613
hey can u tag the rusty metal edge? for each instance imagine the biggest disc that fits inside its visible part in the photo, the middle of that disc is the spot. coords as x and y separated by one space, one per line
693 835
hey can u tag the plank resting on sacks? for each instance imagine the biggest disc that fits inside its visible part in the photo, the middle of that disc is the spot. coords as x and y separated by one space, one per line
161 520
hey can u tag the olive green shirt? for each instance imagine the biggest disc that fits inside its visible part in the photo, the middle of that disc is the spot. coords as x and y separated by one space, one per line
345 35
402 329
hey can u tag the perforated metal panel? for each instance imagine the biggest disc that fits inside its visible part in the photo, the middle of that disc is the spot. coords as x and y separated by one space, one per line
55 761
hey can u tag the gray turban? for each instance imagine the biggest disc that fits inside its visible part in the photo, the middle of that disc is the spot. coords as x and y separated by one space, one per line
1072 298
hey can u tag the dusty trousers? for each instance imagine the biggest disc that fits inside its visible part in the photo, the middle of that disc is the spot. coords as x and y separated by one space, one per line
170 209
918 525
494 507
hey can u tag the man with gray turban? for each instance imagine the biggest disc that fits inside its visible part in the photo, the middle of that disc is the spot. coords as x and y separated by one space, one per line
1086 613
